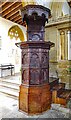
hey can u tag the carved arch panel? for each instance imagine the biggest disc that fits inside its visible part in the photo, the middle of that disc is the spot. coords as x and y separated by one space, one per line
44 75
34 76
25 76
44 60
34 60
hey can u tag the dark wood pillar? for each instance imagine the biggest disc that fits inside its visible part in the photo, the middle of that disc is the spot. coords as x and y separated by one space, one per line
35 95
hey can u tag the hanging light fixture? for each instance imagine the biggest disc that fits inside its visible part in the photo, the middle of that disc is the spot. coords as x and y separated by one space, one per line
16 32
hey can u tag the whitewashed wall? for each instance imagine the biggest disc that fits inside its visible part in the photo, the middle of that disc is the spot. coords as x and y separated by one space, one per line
9 53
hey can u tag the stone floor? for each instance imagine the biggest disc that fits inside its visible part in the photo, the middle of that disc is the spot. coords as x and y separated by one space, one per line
9 109
15 78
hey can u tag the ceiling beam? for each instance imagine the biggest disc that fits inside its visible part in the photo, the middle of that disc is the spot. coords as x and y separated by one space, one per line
7 5
20 22
12 8
3 3
17 18
13 12
14 16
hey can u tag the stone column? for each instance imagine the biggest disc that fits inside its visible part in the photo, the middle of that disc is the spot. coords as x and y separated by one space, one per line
69 45
62 36
66 45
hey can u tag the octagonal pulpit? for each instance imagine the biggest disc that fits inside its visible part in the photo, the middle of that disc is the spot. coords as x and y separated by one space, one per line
35 95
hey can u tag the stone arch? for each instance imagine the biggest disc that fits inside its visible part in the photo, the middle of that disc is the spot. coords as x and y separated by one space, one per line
16 31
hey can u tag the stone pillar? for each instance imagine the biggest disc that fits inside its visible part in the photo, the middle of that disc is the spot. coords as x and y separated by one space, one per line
69 45
35 95
66 45
62 36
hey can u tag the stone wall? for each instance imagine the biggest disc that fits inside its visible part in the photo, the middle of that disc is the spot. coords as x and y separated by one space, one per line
51 35
53 72
63 72
59 67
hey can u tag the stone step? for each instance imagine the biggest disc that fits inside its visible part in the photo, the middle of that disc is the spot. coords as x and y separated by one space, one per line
10 86
12 79
9 92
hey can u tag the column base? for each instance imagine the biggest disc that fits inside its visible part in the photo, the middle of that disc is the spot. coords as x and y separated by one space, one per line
34 99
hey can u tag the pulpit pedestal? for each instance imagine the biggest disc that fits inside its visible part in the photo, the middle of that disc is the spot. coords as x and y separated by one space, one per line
35 95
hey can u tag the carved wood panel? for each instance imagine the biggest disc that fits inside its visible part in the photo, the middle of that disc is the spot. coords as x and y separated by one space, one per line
44 60
44 75
25 60
34 60
34 76
25 76
37 62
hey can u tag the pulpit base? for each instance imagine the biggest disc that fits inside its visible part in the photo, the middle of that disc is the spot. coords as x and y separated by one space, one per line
34 99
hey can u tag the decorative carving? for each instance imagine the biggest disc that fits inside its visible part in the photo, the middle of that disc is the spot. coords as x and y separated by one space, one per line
24 51
35 37
44 75
35 17
44 60
25 76
34 60
34 50
45 51
34 76
25 59
36 57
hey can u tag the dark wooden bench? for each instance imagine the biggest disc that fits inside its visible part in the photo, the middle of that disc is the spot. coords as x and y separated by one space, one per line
60 95
7 67
66 94
53 81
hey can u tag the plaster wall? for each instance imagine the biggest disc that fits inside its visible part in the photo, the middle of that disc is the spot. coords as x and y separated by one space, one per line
9 53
